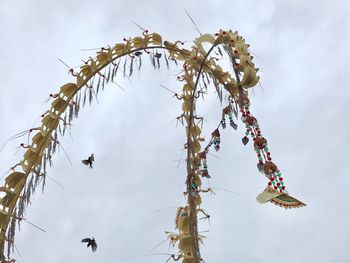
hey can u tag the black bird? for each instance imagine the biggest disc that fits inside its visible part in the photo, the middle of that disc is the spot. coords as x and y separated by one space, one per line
89 160
90 242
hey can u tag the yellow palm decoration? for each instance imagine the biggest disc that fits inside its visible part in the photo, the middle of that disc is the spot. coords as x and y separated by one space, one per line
199 70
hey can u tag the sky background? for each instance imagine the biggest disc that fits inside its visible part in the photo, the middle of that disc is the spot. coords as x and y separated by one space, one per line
302 49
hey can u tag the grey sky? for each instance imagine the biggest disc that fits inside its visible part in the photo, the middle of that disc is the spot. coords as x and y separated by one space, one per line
302 49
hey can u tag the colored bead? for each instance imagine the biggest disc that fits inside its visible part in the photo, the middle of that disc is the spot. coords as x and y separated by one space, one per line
223 123
233 124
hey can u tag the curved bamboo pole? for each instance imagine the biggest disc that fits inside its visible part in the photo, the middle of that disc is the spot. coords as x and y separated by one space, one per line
196 63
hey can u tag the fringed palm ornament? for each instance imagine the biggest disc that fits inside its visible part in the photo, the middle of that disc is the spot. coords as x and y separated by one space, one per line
200 69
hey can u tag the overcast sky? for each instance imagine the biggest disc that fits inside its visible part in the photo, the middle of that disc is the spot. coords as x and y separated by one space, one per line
302 49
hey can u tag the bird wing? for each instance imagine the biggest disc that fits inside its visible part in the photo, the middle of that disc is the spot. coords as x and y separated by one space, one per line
86 162
92 157
94 246
85 240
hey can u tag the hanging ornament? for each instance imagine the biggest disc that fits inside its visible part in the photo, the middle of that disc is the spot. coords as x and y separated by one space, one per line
203 158
223 121
228 111
281 199
275 191
261 166
216 139
270 168
232 123
245 140
250 120
260 143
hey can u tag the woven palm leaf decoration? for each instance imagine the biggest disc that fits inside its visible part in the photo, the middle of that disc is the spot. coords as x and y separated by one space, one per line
200 70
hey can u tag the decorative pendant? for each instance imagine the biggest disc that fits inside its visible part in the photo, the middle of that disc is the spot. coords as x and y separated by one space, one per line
204 171
245 140
281 199
223 122
216 139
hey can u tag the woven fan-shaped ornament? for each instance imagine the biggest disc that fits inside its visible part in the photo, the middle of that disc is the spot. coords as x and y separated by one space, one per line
281 199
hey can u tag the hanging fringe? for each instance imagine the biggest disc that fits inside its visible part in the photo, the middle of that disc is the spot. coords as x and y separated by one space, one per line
70 112
98 85
124 68
131 67
140 63
166 60
157 57
11 234
153 60
109 74
84 99
65 121
76 108
103 83
43 181
90 95
116 68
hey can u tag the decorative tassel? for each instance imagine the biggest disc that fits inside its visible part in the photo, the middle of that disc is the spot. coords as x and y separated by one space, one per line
276 191
223 122
204 170
216 139
228 111
232 123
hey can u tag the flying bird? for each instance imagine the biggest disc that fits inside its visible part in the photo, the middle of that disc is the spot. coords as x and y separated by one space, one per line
90 242
89 160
